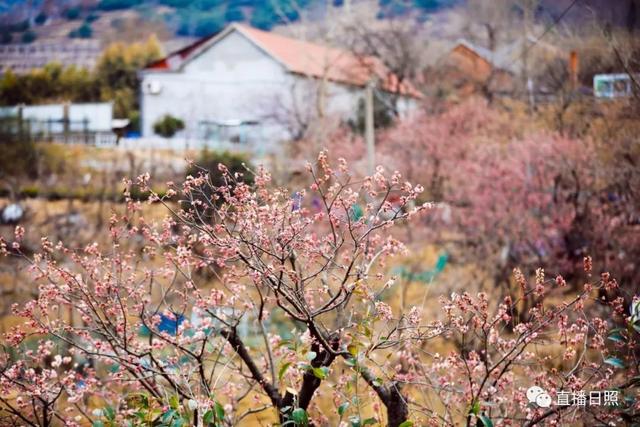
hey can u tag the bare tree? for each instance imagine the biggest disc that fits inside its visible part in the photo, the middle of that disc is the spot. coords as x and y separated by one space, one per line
493 18
395 43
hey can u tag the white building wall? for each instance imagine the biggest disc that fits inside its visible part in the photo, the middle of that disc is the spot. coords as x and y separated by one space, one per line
224 83
343 100
235 80
98 116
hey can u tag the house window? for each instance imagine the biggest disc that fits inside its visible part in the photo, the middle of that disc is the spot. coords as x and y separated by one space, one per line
612 85
620 87
230 131
604 88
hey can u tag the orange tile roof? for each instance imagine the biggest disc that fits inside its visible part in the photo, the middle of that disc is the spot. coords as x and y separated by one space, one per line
304 58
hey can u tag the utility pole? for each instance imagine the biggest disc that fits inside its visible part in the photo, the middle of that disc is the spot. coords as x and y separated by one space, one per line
531 91
347 7
528 9
66 124
369 135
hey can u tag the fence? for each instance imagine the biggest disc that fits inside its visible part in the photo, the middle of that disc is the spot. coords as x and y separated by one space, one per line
180 144
65 123
60 131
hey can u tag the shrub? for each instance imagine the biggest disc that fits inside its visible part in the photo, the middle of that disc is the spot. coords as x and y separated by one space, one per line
200 23
72 13
118 4
513 210
41 18
233 14
264 18
92 17
168 126
29 37
30 191
213 163
19 154
85 31
18 27
210 161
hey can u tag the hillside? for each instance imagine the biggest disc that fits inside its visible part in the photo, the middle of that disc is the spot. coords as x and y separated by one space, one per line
176 22
26 21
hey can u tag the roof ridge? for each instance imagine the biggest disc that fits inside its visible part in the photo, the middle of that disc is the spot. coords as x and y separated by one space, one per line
290 39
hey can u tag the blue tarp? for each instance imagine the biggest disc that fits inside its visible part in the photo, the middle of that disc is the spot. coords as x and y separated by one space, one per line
167 325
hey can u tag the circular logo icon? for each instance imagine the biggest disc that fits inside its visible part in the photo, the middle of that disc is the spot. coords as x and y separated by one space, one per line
538 396
533 392
543 400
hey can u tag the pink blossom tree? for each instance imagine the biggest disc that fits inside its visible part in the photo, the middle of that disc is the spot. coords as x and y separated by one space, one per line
518 197
313 262
567 348
135 334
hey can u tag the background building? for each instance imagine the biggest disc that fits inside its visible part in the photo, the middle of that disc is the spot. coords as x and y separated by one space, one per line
22 58
244 84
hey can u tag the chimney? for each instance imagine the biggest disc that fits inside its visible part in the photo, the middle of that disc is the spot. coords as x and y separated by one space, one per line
573 69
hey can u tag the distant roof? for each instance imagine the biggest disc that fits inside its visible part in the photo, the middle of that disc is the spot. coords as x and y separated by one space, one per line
299 57
507 57
483 52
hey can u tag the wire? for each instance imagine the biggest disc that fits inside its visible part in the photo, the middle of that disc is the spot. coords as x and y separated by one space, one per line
556 21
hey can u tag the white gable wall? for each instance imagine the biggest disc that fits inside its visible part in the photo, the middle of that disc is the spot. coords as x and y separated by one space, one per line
236 80
221 84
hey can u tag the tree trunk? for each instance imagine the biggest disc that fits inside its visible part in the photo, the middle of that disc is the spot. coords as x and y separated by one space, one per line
310 382
391 397
397 407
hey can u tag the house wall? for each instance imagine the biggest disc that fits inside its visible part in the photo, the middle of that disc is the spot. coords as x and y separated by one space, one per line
235 80
468 62
221 84
469 73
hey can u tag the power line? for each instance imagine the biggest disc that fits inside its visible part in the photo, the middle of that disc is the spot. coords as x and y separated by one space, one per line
556 21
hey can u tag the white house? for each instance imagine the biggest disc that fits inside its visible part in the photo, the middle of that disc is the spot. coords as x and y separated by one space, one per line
247 85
